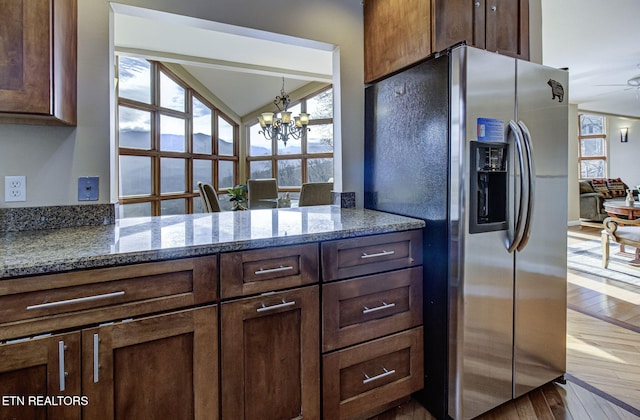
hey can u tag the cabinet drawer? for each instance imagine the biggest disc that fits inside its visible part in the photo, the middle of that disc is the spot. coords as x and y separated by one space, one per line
364 308
353 257
363 377
56 301
264 270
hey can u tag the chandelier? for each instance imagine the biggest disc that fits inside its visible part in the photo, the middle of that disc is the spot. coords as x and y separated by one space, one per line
280 126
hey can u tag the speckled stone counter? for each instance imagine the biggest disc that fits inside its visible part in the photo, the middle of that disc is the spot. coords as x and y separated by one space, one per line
137 240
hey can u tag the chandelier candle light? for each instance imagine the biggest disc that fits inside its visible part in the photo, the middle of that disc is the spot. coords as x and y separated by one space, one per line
280 126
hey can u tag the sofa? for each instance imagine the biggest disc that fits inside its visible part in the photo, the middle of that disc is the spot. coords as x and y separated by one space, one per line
595 192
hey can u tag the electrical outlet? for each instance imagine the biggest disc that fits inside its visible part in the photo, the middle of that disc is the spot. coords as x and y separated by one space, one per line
15 188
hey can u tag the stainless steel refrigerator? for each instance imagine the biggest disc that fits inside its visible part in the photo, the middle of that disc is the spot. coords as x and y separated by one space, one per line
475 143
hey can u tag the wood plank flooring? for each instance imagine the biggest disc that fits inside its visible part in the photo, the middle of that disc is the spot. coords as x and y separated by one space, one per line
603 356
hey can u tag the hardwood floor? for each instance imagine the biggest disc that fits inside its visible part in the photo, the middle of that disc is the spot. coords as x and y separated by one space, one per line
603 356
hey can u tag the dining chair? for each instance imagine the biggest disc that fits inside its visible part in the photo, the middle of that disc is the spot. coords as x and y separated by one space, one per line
316 194
263 193
209 197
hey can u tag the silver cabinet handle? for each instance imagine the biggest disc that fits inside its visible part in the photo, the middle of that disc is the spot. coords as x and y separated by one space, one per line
273 270
477 4
378 308
284 304
374 378
379 254
77 300
62 374
494 8
96 365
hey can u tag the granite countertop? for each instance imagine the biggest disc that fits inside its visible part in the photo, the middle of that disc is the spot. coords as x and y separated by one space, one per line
146 239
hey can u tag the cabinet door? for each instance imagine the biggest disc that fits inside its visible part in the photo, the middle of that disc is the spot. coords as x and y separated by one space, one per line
270 356
40 378
38 63
454 21
507 27
396 34
24 69
163 366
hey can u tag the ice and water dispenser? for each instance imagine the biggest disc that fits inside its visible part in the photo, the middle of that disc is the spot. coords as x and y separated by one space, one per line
488 187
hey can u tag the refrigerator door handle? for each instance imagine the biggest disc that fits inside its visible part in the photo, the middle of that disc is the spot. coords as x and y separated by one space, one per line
531 181
521 216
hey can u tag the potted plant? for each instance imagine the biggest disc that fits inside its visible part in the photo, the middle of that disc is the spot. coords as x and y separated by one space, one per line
238 197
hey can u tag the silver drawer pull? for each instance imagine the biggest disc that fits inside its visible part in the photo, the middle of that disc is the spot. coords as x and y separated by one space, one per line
382 375
77 300
274 270
279 305
378 308
62 374
96 361
379 254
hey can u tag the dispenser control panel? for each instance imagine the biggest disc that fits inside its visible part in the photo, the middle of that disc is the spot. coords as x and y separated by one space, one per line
488 187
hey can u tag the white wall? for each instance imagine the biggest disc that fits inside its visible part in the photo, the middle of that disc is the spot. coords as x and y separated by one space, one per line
624 158
53 158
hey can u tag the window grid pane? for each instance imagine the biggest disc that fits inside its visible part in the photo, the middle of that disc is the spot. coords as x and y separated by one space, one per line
134 128
260 169
135 176
226 170
290 173
171 94
201 128
172 175
202 172
134 79
320 170
225 138
172 136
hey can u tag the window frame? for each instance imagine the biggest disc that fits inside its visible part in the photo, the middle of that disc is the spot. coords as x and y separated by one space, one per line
156 197
582 137
303 156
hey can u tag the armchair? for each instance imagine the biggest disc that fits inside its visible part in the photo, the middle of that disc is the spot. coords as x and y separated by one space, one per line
591 203
623 232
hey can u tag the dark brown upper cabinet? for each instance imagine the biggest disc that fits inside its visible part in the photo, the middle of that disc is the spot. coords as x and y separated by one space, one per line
396 34
501 26
38 61
400 33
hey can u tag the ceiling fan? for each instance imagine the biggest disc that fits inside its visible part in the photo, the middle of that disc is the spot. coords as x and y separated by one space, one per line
632 84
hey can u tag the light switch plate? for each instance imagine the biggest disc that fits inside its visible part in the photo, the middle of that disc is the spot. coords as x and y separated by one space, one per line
88 188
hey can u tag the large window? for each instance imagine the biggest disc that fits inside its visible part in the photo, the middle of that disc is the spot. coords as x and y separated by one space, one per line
593 146
169 138
309 159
